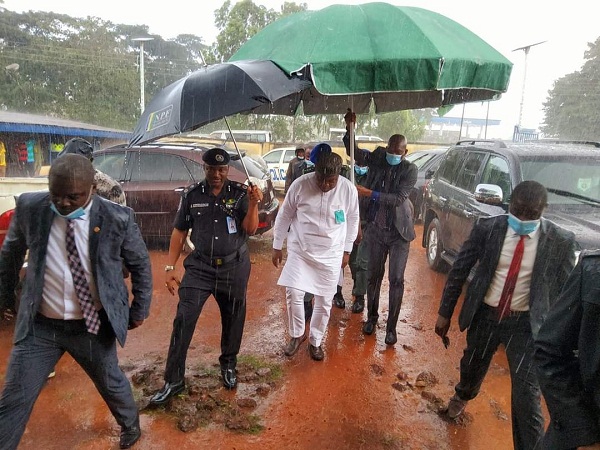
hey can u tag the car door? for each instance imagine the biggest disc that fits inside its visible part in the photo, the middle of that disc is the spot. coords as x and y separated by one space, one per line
441 194
273 160
462 213
495 171
152 181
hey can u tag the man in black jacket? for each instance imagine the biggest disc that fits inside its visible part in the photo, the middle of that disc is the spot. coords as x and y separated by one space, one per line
507 301
389 223
567 355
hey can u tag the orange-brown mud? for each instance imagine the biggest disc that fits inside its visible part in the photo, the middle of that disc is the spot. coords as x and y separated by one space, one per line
364 395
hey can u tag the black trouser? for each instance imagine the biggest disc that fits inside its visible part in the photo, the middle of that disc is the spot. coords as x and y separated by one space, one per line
33 358
382 243
483 338
227 283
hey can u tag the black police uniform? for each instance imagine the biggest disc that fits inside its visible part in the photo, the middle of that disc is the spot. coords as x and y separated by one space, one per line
219 265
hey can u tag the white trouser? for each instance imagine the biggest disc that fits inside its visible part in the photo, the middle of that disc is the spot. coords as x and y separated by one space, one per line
295 311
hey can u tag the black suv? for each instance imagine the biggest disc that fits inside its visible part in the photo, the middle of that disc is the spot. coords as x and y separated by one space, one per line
476 178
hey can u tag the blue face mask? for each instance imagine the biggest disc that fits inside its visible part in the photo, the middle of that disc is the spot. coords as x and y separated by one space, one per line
393 160
76 214
79 212
361 170
522 227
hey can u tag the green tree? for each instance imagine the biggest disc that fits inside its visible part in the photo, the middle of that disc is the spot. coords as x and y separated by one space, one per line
572 103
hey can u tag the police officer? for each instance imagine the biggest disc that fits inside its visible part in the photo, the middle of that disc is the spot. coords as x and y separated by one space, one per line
221 214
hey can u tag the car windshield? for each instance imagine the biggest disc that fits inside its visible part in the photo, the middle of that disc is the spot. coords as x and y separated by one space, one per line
255 168
569 181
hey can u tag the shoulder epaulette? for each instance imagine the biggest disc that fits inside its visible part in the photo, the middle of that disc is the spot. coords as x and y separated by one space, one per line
191 187
235 184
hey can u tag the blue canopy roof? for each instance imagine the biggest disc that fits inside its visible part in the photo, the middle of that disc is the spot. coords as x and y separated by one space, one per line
12 122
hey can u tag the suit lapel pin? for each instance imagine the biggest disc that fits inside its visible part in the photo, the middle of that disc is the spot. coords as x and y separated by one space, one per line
96 229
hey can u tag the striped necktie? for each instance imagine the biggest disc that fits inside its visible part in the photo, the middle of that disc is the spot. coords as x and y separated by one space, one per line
80 283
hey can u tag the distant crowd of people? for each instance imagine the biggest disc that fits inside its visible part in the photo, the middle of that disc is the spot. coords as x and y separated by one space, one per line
81 241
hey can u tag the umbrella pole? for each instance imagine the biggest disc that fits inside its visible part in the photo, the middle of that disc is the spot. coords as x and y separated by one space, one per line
351 133
238 151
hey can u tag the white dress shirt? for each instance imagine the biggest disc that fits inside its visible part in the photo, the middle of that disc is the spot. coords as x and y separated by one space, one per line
59 299
520 298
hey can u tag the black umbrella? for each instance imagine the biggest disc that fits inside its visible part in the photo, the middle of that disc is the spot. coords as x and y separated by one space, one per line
213 93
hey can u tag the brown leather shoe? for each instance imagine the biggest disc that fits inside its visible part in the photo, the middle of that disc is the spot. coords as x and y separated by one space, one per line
293 345
316 353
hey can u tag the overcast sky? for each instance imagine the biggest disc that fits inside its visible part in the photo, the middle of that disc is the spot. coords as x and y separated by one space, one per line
506 25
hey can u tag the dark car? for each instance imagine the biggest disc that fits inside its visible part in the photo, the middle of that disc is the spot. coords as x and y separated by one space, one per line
427 161
475 179
153 176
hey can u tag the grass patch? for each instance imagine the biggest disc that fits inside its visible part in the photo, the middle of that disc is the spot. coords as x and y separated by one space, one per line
256 363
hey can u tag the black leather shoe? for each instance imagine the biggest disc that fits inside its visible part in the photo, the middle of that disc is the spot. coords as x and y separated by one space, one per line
293 345
168 390
369 327
129 436
359 304
316 353
391 338
229 378
338 301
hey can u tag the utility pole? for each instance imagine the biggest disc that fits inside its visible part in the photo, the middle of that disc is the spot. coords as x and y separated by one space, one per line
525 49
141 40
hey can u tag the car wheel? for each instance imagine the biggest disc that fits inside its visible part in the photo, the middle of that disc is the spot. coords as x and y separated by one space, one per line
434 247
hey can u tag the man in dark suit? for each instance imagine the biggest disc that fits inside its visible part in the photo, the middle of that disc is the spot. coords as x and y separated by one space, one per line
524 261
389 225
567 354
74 299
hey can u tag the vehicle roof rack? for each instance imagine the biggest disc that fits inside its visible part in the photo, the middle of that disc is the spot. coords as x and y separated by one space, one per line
497 143
560 141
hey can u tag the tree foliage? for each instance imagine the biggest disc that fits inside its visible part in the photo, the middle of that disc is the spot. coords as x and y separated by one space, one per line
571 109
87 69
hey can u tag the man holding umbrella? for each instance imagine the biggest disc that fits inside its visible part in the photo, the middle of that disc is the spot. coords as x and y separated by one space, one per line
221 214
389 225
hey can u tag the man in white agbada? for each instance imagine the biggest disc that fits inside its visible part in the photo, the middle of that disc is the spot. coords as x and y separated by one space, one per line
319 217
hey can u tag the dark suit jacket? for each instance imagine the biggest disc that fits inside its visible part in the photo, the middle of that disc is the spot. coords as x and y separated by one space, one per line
394 195
554 261
567 355
114 240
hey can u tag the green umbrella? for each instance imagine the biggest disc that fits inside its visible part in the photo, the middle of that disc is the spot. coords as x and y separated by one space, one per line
399 57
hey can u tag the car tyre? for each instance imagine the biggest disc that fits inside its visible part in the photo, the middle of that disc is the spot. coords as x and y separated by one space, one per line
434 247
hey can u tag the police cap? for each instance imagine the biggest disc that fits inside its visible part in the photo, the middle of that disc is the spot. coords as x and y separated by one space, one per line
216 157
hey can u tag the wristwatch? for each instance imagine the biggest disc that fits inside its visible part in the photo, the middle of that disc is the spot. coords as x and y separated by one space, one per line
169 268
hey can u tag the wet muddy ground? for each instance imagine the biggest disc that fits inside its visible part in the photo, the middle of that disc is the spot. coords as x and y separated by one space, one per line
364 395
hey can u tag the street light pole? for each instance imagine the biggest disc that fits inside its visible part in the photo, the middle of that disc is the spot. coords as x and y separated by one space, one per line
141 40
525 49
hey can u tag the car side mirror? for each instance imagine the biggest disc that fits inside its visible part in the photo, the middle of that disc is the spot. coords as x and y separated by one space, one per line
490 194
429 174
